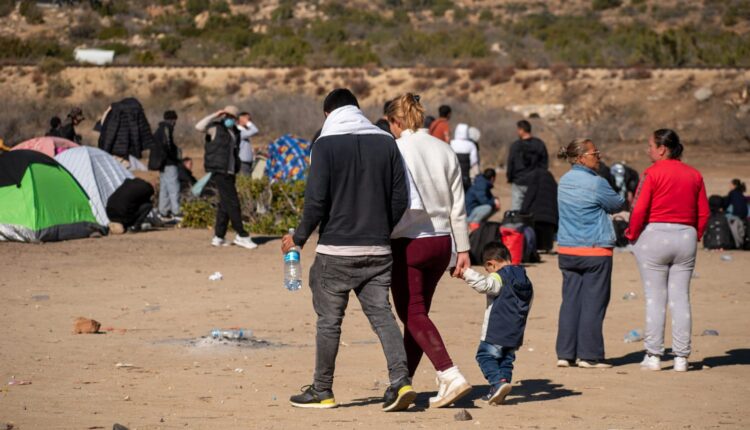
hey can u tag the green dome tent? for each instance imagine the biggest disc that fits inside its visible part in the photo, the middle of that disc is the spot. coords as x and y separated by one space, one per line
40 201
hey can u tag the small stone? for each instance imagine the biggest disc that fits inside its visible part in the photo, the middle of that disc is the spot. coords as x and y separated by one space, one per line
119 427
85 325
126 398
703 94
463 415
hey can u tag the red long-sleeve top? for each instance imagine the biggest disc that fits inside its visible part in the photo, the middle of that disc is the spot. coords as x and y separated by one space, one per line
670 191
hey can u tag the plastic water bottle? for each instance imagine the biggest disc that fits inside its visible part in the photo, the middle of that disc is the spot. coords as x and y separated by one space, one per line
633 336
232 334
292 279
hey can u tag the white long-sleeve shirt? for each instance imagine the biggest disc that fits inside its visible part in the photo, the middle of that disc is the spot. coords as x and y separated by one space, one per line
489 285
246 150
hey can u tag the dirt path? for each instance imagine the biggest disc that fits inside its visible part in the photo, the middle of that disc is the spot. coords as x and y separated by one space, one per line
155 287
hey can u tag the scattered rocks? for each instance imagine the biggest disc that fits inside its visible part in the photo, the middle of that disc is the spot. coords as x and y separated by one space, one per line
702 94
85 326
119 427
463 415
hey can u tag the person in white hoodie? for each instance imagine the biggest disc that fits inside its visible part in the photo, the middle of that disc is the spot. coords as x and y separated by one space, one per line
466 149
422 242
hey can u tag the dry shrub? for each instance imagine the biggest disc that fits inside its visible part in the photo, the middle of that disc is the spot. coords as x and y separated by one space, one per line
37 78
477 88
232 88
637 73
360 87
320 91
341 74
481 70
422 85
300 82
372 71
421 72
561 72
177 88
464 85
151 77
295 73
527 81
502 75
394 82
270 75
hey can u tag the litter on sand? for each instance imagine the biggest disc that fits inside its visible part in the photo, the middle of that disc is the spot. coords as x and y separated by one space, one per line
216 276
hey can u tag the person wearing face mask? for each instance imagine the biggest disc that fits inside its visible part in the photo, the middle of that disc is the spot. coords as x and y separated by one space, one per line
222 160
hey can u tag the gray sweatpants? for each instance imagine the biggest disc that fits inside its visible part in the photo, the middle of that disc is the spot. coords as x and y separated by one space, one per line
517 194
666 258
169 191
332 278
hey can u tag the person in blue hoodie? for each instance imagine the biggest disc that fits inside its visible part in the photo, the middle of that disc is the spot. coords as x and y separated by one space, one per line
509 295
480 203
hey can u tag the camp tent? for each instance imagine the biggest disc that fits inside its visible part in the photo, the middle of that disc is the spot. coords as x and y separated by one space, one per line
288 158
47 145
40 201
98 173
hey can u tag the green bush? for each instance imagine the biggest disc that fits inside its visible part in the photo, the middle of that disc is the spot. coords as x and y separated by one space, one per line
195 7
119 48
329 32
114 31
145 57
59 88
599 5
280 51
29 10
14 48
6 7
267 208
356 55
220 6
284 12
170 45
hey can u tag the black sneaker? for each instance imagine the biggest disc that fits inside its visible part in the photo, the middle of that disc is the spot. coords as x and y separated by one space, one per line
398 397
497 393
312 398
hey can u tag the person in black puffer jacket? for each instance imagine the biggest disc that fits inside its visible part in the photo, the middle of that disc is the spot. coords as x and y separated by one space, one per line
540 201
125 131
222 160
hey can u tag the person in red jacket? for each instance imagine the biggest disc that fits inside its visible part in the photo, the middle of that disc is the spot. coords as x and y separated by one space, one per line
668 219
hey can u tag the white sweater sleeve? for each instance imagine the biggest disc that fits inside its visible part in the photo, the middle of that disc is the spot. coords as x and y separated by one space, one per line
202 125
489 285
458 210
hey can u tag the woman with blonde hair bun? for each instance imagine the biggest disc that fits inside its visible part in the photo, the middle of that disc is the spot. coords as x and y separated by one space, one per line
422 241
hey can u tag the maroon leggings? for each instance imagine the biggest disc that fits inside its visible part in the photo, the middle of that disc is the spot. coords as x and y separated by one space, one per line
418 265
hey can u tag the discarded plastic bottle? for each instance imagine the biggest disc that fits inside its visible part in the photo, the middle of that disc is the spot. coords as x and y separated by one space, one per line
231 334
633 336
292 279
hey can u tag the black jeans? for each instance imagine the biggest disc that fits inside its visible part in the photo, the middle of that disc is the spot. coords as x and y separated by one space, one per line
587 283
229 206
331 280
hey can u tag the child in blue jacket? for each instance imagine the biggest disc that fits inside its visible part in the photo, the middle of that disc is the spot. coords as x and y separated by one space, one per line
509 295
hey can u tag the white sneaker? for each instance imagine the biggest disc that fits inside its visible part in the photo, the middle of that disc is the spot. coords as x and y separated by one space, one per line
245 242
680 364
219 241
563 363
451 386
651 362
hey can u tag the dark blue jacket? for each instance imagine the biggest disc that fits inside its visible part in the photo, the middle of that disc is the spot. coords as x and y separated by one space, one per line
479 194
510 309
737 201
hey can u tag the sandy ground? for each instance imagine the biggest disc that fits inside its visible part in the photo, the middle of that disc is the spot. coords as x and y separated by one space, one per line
152 291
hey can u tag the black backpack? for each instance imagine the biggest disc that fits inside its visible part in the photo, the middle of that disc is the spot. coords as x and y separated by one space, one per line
486 233
718 235
746 245
620 226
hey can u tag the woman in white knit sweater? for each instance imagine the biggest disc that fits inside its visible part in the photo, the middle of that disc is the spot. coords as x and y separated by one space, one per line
421 242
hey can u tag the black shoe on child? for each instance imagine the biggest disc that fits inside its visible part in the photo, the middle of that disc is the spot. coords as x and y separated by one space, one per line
497 393
398 397
312 398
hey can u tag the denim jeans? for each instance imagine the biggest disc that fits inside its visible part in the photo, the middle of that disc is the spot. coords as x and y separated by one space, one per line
332 278
480 213
496 362
517 193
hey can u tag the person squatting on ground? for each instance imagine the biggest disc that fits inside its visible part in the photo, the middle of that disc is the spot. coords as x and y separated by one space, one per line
668 219
165 157
585 240
247 130
356 192
525 154
422 245
480 203
223 162
509 295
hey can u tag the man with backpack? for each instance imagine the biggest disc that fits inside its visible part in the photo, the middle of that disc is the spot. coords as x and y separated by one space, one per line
165 157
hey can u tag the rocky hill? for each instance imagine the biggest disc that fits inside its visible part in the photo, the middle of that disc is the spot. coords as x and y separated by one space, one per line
390 33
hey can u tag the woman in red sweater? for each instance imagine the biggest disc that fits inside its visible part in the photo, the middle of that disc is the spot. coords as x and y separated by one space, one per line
668 219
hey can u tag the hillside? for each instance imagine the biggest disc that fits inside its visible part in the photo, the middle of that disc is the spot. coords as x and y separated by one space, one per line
388 33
